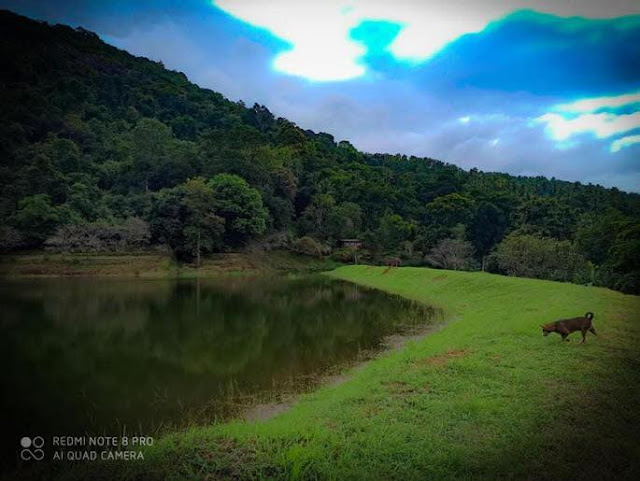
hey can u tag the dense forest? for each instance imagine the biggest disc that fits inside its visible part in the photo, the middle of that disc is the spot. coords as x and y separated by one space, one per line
104 151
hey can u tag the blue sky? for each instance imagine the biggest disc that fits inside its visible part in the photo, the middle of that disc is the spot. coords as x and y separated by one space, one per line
537 87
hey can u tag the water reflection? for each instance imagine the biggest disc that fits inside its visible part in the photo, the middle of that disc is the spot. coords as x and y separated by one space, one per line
89 356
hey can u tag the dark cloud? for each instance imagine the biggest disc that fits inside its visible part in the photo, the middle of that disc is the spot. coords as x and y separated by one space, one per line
113 18
532 52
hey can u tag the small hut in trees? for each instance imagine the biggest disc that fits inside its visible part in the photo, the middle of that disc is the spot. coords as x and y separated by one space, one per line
353 243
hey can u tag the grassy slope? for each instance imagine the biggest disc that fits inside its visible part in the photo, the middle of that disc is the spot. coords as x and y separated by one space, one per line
485 398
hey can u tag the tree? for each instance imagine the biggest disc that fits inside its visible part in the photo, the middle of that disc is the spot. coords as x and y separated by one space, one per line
203 229
547 217
487 228
36 218
316 215
444 213
85 200
453 254
166 218
345 221
180 162
625 261
526 255
241 207
184 219
394 231
285 183
595 233
449 210
151 140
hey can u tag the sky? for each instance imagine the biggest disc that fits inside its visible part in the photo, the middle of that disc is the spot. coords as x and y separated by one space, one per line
528 87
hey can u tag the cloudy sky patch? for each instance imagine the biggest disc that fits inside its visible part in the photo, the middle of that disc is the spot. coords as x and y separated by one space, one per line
596 116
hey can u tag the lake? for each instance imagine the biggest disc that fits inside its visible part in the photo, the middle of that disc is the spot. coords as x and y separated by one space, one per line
106 357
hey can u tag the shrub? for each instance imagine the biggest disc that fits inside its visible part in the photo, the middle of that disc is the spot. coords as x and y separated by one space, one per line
99 236
10 239
344 254
274 241
308 246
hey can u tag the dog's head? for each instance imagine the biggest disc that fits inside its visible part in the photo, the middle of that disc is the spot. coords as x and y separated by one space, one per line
547 328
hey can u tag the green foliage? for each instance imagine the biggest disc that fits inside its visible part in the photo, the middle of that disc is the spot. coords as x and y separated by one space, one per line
240 205
547 217
167 220
104 136
612 241
86 200
394 231
347 255
202 229
624 260
526 255
487 227
315 218
449 210
184 219
345 221
36 218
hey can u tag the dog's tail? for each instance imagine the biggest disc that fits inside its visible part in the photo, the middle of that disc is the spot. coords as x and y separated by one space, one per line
589 315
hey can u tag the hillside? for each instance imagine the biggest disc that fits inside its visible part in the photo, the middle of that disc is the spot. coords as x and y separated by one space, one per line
103 152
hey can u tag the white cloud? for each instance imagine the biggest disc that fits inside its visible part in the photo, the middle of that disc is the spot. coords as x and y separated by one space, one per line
585 116
597 103
616 145
602 125
319 30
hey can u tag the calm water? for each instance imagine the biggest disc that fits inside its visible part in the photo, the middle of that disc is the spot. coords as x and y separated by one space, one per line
101 357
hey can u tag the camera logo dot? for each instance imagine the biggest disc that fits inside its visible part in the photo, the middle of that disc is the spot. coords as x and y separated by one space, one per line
32 448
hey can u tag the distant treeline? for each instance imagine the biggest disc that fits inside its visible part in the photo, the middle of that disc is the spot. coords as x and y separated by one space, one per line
104 151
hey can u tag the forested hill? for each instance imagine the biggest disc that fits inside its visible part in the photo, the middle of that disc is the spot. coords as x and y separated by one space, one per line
102 150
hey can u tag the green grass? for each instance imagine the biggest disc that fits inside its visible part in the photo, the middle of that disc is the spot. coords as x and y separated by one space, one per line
485 398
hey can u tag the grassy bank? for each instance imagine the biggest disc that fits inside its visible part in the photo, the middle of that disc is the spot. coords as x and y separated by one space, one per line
155 265
485 398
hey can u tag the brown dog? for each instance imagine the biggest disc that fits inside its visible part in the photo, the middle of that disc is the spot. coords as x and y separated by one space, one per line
564 327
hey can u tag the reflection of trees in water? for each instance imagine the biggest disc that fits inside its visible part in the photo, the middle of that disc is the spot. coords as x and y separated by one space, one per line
215 334
78 362
78 304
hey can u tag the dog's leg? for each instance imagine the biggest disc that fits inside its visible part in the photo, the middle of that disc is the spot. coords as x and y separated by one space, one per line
564 336
592 330
584 335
